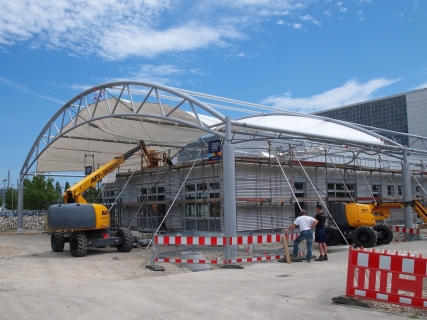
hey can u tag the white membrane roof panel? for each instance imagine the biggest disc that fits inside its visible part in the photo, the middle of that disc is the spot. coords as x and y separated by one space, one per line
102 140
310 127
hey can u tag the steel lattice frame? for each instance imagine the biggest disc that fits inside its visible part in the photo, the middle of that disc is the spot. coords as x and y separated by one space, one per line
70 116
67 118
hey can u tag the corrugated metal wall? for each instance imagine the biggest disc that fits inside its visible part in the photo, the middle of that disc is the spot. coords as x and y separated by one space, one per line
264 197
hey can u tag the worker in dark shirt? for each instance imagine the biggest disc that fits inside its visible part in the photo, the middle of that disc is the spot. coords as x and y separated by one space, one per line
319 235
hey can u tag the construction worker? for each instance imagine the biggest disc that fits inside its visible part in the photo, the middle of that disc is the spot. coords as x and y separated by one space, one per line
306 225
319 235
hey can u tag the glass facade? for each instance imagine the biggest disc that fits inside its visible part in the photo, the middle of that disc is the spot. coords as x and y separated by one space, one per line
389 113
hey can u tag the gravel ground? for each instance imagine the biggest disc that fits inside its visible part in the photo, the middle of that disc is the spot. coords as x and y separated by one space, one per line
27 261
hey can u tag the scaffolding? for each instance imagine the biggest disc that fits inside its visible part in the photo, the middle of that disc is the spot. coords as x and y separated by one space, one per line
265 200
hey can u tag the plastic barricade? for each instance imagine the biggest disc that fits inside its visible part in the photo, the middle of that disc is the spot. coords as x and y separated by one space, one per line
387 277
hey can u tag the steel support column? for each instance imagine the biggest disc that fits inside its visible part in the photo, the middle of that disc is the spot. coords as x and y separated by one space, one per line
20 207
406 193
229 173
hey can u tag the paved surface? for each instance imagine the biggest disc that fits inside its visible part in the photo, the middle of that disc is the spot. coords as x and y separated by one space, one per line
268 290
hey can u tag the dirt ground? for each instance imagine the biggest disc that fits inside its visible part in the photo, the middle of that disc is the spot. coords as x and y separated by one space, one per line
26 260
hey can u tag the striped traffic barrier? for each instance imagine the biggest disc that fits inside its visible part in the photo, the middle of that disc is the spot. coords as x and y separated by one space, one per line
218 261
405 230
222 241
387 277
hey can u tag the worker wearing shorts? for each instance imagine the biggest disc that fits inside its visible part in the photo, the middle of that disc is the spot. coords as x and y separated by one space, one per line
319 235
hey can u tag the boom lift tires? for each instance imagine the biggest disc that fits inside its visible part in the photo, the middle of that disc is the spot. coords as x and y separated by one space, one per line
384 234
364 237
127 240
363 224
332 236
78 244
353 224
57 241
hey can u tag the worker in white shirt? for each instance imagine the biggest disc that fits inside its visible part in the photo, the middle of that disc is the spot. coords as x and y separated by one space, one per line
306 225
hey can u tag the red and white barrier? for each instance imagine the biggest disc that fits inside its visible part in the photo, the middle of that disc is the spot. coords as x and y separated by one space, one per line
237 260
387 277
188 240
222 241
405 230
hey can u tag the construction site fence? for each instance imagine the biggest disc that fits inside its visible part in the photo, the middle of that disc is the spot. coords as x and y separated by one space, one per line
387 276
250 248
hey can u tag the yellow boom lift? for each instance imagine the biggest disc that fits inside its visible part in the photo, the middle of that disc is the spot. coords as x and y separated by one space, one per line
358 222
85 224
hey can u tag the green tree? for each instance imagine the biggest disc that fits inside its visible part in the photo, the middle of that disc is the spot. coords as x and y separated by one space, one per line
11 199
67 185
58 190
93 195
39 193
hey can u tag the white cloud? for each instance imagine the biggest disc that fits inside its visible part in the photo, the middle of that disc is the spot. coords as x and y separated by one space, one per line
118 29
308 17
343 9
24 89
421 86
152 43
351 92
280 22
327 13
296 25
359 12
262 7
165 74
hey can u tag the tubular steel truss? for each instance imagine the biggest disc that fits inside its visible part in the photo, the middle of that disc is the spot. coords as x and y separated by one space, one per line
159 105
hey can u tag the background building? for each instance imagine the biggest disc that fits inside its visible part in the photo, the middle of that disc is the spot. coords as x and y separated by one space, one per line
270 191
406 112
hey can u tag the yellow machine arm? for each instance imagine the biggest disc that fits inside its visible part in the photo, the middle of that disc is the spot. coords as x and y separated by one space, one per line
381 211
74 194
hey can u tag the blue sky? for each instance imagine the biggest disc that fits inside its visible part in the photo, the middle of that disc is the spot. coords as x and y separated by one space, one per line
303 56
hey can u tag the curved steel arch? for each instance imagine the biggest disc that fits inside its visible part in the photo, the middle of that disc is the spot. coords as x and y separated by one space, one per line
82 110
78 106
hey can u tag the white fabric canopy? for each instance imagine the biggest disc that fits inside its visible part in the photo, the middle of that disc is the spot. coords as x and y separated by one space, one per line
110 134
309 127
102 140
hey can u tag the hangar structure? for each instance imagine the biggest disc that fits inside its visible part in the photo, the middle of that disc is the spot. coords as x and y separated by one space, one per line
107 120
